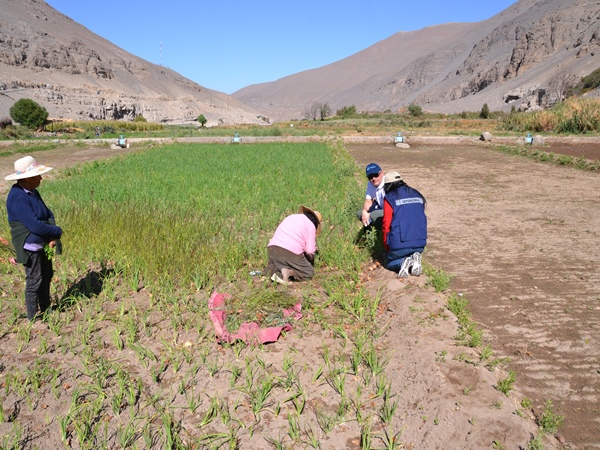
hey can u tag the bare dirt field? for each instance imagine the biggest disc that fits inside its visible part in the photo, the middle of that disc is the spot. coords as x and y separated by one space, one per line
521 241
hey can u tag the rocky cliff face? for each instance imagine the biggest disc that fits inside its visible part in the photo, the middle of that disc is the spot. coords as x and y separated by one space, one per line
528 52
522 58
516 58
76 74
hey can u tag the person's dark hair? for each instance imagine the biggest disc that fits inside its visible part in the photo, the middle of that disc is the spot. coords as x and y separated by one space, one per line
389 187
312 218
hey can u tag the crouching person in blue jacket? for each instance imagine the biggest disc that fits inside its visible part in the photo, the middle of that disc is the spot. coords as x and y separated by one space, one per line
404 226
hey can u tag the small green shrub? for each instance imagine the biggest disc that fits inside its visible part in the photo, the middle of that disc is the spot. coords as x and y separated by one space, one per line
5 122
591 81
415 110
346 111
28 113
470 334
564 160
485 111
437 278
9 133
459 306
549 420
536 443
506 385
423 124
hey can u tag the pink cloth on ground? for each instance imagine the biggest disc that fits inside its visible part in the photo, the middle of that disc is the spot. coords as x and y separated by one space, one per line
297 234
249 331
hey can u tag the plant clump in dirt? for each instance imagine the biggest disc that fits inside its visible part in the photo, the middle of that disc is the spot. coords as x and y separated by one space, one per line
264 307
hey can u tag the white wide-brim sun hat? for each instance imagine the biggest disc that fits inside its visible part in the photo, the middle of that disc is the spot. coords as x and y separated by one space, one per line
27 167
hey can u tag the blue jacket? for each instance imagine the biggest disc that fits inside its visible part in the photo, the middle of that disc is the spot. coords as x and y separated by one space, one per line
28 209
404 220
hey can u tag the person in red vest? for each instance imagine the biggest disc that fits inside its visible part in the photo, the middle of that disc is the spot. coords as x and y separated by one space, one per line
404 226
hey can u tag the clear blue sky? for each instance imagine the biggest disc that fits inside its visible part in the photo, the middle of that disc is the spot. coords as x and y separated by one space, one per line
227 44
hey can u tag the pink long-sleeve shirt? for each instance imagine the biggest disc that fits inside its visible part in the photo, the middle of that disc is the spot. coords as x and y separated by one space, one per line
297 234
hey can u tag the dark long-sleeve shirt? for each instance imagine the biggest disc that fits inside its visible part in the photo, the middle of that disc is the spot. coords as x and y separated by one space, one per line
28 209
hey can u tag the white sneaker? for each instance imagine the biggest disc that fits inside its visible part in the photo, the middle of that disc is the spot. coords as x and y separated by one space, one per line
417 268
403 273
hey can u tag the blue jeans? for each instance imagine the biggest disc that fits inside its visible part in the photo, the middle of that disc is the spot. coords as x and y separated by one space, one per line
395 258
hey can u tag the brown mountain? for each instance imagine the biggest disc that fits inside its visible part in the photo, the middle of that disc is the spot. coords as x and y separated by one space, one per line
522 57
74 73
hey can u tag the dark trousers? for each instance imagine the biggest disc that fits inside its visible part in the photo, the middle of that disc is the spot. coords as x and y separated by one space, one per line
38 275
280 258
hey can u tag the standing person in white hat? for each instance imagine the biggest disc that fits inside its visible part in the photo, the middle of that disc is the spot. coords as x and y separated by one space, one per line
32 228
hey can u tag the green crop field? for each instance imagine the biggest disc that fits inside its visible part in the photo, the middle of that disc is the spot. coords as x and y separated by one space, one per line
129 358
203 213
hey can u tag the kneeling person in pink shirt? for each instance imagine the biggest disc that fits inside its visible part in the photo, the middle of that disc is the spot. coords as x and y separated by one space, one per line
293 247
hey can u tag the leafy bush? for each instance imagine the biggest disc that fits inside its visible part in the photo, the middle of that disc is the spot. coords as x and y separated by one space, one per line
346 111
586 83
423 124
485 111
139 118
29 113
415 110
202 120
578 116
591 81
544 121
10 133
574 115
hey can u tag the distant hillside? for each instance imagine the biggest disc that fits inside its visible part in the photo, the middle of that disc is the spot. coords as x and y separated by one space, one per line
76 74
518 58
